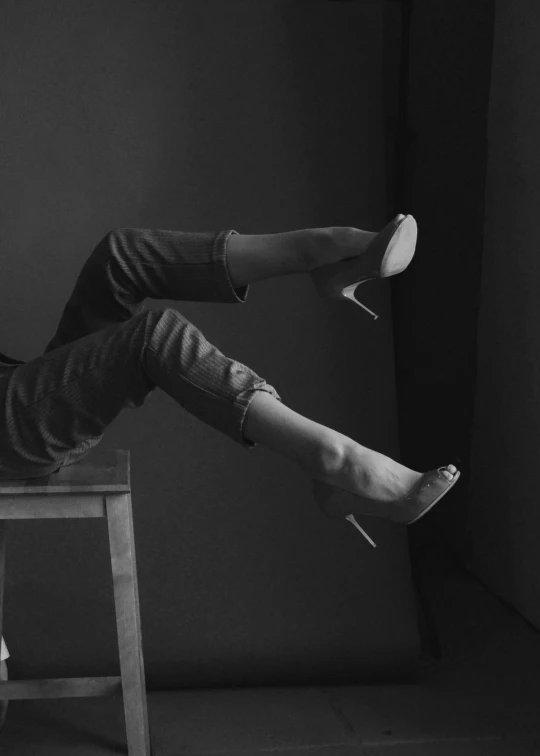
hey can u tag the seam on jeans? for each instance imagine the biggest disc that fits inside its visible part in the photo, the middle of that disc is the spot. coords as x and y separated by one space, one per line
217 263
49 394
60 386
173 264
210 262
196 385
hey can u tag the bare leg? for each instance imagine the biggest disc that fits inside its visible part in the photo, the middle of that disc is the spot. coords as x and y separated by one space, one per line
329 456
325 454
169 264
253 257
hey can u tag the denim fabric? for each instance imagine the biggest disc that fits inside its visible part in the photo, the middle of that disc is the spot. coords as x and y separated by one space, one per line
108 353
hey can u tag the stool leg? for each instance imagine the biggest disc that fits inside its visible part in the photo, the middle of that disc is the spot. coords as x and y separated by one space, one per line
126 599
3 540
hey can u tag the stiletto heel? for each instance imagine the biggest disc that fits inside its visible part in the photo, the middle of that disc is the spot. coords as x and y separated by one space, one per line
348 293
388 254
352 519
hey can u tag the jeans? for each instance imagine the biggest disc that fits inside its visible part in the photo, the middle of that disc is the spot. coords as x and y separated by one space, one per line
108 353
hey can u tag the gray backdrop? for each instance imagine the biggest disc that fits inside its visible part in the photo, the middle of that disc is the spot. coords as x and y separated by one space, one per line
200 116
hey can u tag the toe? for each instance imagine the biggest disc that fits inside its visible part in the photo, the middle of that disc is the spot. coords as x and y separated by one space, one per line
451 469
447 475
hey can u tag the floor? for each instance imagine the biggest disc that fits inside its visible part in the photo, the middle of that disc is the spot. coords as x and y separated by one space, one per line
477 694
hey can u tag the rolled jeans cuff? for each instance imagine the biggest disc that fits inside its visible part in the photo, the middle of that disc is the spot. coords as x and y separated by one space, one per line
227 292
243 402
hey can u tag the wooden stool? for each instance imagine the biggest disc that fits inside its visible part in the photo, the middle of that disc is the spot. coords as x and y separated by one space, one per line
97 486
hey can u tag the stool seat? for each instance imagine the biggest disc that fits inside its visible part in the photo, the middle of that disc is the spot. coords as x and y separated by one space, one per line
103 470
96 486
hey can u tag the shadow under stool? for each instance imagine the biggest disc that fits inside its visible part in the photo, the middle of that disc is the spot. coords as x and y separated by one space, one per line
97 486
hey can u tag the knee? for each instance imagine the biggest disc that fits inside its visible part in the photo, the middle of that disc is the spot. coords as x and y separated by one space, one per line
111 246
116 238
121 242
164 321
163 315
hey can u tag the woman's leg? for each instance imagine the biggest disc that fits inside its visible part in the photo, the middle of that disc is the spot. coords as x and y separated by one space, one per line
56 408
331 457
129 265
254 257
325 454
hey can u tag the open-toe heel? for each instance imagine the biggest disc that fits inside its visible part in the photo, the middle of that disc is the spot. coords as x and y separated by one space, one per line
422 497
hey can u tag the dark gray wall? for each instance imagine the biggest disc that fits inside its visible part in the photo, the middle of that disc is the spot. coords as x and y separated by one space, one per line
505 516
442 160
200 116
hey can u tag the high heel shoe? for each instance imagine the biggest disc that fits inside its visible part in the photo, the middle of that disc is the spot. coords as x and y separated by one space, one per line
388 254
429 489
